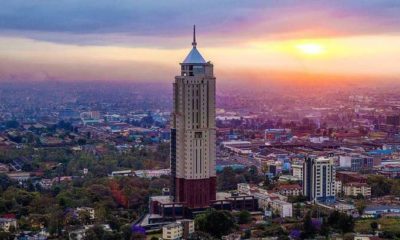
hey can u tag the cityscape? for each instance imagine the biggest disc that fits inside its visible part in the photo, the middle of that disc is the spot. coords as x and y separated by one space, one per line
168 144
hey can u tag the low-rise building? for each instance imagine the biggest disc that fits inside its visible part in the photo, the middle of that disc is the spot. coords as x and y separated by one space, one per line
7 224
172 231
178 230
284 209
355 189
382 210
297 171
290 189
19 176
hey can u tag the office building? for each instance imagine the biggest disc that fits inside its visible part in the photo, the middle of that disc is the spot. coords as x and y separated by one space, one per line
319 179
193 132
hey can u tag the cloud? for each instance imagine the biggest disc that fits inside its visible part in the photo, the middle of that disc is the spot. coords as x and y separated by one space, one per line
165 22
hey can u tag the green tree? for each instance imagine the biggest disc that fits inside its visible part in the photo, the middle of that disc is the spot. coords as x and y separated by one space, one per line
374 226
297 210
361 205
97 232
126 231
325 229
227 179
308 227
5 182
380 185
244 217
216 223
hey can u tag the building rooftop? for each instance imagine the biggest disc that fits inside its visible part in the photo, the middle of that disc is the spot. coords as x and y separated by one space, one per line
194 55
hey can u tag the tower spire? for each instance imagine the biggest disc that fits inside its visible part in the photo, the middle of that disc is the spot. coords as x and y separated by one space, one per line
194 43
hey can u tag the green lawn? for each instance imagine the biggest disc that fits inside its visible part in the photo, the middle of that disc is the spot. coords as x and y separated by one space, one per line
387 224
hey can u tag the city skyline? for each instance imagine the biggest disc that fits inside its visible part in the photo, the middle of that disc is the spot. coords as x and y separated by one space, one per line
317 41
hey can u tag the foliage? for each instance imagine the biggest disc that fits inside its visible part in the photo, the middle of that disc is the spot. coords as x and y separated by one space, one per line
309 229
360 205
97 232
381 186
244 217
341 222
215 223
227 179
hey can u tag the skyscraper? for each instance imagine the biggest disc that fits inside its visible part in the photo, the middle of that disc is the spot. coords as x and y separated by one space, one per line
319 179
193 132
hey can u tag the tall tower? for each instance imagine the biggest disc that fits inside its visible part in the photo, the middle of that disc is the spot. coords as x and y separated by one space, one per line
319 179
193 132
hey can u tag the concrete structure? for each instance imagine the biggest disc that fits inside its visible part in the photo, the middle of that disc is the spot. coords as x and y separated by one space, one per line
193 132
178 230
188 227
354 189
319 179
240 147
290 189
172 231
356 162
6 224
366 237
297 171
382 210
284 209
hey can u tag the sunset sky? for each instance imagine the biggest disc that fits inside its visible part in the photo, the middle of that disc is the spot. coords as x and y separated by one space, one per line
143 40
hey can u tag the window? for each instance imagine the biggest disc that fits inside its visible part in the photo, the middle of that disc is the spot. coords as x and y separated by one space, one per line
198 135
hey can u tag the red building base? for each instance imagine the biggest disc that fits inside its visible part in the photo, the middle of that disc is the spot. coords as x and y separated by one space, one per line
195 193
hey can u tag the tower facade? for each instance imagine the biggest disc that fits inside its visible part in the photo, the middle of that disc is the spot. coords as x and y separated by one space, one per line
193 132
319 179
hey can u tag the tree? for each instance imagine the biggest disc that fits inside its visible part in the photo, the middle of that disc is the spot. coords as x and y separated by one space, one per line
6 235
244 217
380 185
198 235
374 226
97 232
126 231
216 223
5 182
227 179
297 210
341 221
360 205
325 229
308 227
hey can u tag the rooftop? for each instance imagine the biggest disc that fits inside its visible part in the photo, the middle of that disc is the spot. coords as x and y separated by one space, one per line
194 55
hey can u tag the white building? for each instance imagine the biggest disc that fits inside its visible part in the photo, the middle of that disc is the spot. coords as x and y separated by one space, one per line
319 179
355 189
172 231
178 230
284 209
297 171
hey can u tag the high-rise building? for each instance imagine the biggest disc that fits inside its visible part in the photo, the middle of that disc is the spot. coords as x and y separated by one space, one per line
193 132
319 179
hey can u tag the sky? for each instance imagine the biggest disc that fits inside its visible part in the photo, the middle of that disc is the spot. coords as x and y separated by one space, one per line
248 41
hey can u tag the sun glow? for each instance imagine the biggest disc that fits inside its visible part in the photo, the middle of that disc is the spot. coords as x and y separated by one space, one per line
311 48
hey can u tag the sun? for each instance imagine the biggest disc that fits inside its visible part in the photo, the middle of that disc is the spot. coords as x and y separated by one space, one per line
311 48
